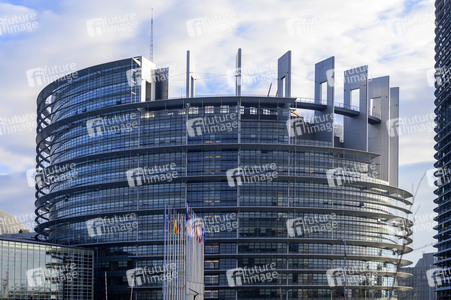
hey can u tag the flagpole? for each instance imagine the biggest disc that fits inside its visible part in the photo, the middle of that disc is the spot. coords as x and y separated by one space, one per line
133 284
106 287
171 257
180 256
180 261
185 250
176 290
170 253
174 258
165 228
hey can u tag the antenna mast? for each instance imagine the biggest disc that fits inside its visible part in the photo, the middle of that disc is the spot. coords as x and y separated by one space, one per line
151 37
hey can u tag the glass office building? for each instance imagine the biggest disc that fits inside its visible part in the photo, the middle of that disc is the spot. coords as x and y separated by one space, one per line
442 110
420 286
35 270
275 183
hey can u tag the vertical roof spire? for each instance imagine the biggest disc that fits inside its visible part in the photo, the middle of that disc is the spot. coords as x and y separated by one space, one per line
151 37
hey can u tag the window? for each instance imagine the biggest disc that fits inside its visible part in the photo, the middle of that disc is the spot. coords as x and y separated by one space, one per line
355 99
323 91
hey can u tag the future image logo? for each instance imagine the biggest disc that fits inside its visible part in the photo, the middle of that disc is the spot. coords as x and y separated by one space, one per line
109 225
438 277
218 123
339 176
438 177
134 77
335 277
402 226
220 223
195 227
410 125
45 177
36 277
252 74
300 126
111 24
300 227
336 177
393 127
150 275
135 277
351 276
251 275
211 24
18 123
410 24
13 224
338 79
298 27
251 174
40 277
113 124
47 74
150 175
438 76
16 24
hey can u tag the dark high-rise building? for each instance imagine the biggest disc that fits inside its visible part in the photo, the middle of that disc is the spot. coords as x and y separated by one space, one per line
442 138
419 281
282 191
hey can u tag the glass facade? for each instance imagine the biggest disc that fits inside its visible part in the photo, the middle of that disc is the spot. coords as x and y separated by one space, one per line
187 162
34 270
442 138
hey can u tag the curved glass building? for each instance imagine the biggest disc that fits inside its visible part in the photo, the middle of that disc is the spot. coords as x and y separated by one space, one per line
442 103
283 191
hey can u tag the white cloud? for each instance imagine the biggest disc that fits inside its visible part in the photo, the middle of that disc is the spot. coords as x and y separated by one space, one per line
391 39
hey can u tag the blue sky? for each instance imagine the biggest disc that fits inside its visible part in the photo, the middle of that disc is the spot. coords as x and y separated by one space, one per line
393 37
